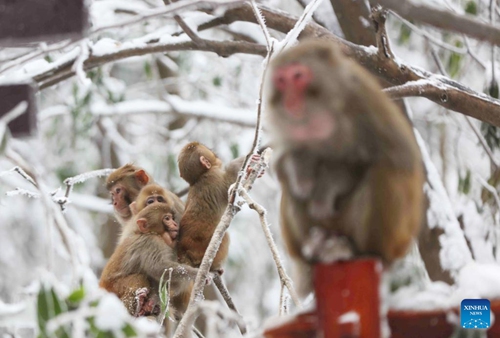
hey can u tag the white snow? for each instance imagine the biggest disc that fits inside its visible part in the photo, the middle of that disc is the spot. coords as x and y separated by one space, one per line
111 314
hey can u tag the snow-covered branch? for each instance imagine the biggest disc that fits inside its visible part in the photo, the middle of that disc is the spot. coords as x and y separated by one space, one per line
71 181
444 19
285 280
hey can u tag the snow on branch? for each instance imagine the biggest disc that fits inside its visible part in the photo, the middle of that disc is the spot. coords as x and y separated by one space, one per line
293 34
71 181
461 98
444 19
284 278
168 9
175 105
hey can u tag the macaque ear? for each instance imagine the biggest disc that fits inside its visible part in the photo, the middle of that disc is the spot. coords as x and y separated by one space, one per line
142 177
205 162
142 224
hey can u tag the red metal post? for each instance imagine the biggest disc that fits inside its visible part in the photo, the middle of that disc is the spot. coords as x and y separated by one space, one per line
348 299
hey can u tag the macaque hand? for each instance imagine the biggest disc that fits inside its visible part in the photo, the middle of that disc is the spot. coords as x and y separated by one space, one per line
254 162
326 248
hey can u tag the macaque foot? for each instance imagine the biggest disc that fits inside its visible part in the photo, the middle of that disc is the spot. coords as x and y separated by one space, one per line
146 306
326 248
141 297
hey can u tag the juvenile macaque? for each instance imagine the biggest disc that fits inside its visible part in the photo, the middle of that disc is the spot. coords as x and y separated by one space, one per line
149 194
348 161
153 193
124 185
207 199
134 270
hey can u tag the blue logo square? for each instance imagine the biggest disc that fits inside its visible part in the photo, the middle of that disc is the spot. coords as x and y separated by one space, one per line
475 314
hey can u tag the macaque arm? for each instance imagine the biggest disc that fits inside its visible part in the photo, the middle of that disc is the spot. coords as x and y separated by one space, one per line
152 256
233 167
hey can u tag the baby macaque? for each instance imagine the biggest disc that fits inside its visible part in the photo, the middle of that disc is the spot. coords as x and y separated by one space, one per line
141 258
347 159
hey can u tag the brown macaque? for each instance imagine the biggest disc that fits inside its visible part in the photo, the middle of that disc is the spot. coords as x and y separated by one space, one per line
153 193
207 199
134 270
348 163
124 185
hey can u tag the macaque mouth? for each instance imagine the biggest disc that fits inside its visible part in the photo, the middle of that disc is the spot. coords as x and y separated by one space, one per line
314 127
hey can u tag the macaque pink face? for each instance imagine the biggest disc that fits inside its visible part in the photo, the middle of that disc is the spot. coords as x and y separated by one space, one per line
297 99
120 200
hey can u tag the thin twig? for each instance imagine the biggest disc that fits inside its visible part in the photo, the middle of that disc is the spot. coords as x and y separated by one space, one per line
429 37
227 297
274 250
474 128
444 19
379 16
71 181
169 9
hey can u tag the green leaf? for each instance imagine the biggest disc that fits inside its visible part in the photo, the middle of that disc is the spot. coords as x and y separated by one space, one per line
235 150
464 183
129 331
76 296
148 70
471 7
493 89
404 34
49 305
217 81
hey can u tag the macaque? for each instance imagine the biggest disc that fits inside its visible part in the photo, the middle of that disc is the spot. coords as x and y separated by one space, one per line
154 193
134 270
207 199
347 160
124 185
149 194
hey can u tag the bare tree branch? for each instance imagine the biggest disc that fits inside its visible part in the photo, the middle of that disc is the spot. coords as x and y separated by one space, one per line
354 19
458 97
444 19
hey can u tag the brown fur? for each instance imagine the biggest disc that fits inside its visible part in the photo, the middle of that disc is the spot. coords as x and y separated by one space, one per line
140 259
169 198
362 178
158 195
206 202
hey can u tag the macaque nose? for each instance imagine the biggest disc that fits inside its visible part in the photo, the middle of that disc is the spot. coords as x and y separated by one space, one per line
294 77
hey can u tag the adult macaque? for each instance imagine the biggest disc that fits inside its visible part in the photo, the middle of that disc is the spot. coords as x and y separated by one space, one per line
207 199
124 185
347 161
134 270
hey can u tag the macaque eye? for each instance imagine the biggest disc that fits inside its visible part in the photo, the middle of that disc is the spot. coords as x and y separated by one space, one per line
167 217
150 200
160 199
118 190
